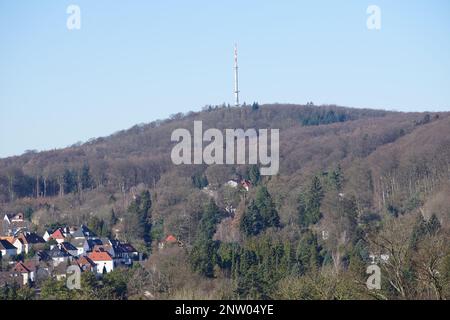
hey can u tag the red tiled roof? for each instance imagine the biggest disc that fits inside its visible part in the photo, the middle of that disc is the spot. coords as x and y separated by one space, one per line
57 234
171 238
100 256
21 268
85 262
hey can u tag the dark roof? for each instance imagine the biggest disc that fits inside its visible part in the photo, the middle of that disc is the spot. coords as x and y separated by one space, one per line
21 267
31 238
115 243
78 242
84 262
78 234
6 245
57 253
43 256
94 242
68 246
128 248
83 232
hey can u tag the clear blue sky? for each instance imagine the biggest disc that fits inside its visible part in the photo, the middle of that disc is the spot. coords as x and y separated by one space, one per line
137 61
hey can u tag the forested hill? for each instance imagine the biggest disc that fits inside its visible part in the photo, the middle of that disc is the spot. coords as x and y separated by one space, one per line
311 137
345 176
142 151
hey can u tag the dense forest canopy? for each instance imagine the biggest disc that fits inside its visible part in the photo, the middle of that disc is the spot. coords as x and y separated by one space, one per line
352 183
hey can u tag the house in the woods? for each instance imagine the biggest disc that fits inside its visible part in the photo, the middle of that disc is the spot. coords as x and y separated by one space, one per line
124 253
129 253
171 239
84 232
246 184
168 241
379 258
233 183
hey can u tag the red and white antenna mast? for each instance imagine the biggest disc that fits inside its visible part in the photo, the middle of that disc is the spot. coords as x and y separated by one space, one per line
236 76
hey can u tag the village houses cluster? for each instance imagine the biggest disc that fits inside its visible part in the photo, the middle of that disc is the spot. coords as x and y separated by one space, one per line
30 257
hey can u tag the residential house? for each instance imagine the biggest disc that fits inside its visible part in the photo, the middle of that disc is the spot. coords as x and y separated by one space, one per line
12 224
27 240
7 249
58 236
105 247
232 183
124 252
92 243
26 270
169 240
81 244
69 248
103 260
129 253
84 232
43 256
85 264
47 234
59 256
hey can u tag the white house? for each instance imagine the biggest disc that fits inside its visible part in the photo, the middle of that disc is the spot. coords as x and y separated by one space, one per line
58 256
7 249
58 236
21 247
103 261
26 240
27 271
47 235
69 248
232 183
82 246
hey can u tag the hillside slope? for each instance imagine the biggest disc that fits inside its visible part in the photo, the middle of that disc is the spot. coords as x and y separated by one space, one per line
364 167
